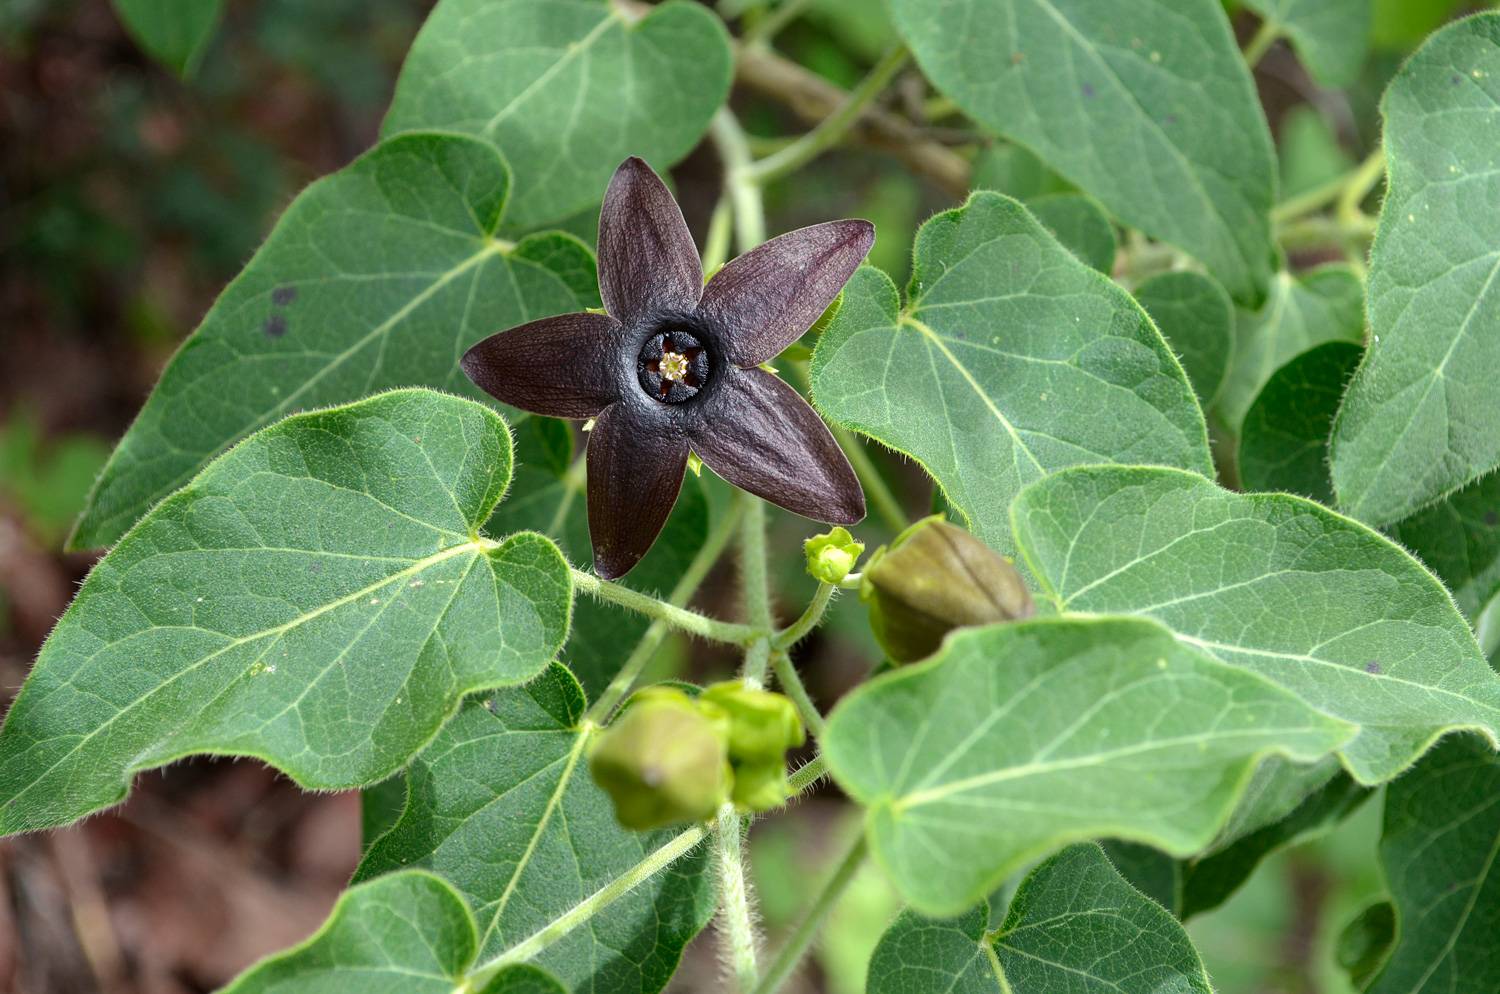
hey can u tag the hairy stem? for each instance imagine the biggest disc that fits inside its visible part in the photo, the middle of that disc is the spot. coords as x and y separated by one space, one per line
811 616
735 921
757 588
791 682
807 929
1361 182
669 852
833 128
659 610
687 585
743 194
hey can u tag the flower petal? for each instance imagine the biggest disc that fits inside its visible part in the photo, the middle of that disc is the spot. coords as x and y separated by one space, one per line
759 434
762 301
635 471
563 366
647 259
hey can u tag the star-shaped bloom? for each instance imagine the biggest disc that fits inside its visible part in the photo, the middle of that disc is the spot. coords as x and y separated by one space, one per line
674 366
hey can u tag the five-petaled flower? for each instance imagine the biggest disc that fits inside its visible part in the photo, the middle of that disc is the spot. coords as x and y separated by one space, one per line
674 366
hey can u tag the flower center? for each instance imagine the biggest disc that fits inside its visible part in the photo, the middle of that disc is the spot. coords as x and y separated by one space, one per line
673 366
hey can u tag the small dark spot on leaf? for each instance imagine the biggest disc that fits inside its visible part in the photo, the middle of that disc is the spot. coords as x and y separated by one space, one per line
283 295
1372 667
1457 79
1169 120
275 325
1492 518
315 567
1088 90
1016 58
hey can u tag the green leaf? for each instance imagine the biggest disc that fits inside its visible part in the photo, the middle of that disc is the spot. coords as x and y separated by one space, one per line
1309 151
568 88
173 32
502 806
1422 417
1459 539
319 598
1272 583
1011 359
1091 727
1015 171
378 276
1284 437
1146 106
408 932
1441 837
547 499
1075 925
1080 224
1284 804
1365 943
1209 880
1303 311
1196 317
1332 36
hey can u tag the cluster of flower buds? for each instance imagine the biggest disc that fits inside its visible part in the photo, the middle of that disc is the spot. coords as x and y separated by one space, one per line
933 578
671 757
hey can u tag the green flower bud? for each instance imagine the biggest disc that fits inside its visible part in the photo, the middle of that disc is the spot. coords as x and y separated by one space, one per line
762 725
934 578
760 786
664 760
832 555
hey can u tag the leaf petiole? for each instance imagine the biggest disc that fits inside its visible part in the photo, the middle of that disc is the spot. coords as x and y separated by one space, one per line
680 618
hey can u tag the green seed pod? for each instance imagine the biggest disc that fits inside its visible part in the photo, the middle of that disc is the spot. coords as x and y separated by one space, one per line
934 578
832 555
762 725
664 760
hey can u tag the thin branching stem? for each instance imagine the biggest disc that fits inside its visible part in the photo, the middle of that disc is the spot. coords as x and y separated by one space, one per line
757 589
680 618
791 682
1261 42
744 195
812 615
832 129
736 921
802 936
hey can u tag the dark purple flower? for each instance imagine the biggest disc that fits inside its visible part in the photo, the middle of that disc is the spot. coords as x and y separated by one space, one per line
673 367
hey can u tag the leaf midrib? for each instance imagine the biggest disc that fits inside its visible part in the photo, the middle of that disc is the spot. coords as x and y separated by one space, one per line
478 546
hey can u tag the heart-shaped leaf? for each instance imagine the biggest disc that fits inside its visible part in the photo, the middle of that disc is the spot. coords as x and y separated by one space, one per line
1146 106
378 276
1284 437
1075 924
1422 416
567 88
1017 739
502 806
1459 539
1439 850
1011 359
319 597
1196 317
1275 584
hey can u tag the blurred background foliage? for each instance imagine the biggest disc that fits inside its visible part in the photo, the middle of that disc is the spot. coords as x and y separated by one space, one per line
129 196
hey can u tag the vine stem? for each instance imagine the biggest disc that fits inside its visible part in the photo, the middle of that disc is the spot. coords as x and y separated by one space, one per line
687 585
736 920
668 853
1361 182
1261 42
680 618
811 615
791 682
757 589
832 129
801 938
744 195
772 24
1321 196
